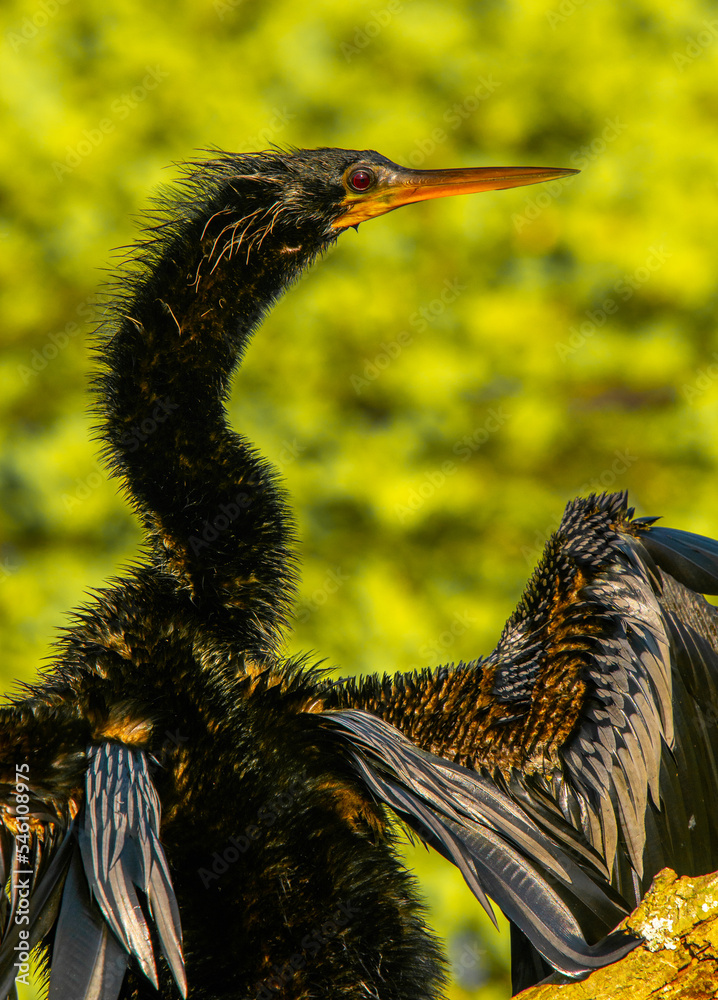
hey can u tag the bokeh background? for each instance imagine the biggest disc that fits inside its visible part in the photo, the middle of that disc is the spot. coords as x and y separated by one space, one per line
437 388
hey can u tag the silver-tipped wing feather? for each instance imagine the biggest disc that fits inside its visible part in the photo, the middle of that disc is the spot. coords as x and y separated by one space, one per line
121 852
498 848
101 880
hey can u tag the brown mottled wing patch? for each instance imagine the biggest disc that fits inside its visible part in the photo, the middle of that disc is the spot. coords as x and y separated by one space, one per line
497 847
636 770
121 852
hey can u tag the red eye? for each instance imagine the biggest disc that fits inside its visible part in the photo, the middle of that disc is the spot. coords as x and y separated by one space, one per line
361 179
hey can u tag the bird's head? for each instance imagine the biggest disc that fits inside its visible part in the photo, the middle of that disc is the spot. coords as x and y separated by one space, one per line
318 193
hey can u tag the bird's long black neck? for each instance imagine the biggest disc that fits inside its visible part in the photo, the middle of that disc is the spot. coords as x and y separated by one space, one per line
213 514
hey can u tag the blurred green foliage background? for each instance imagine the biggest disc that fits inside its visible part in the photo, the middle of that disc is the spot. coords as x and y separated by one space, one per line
435 390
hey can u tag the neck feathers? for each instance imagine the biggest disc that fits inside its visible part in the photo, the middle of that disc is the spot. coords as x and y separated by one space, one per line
192 295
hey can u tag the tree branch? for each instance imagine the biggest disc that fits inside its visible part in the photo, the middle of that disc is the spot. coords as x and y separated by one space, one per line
679 920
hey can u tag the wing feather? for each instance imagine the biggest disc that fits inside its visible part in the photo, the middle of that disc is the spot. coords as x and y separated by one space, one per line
47 887
121 852
596 717
88 961
497 846
101 880
690 559
640 764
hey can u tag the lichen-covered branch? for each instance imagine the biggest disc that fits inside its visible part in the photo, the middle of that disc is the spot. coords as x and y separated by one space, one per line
679 920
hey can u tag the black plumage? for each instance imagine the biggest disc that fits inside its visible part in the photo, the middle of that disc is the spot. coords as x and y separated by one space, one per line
173 790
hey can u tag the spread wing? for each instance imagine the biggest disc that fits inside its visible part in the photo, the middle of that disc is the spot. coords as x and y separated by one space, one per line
498 848
633 766
595 717
75 876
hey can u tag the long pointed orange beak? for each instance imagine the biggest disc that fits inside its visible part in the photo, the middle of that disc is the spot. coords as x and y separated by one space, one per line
392 187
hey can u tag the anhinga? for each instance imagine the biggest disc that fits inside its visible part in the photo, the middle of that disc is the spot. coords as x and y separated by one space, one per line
174 791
